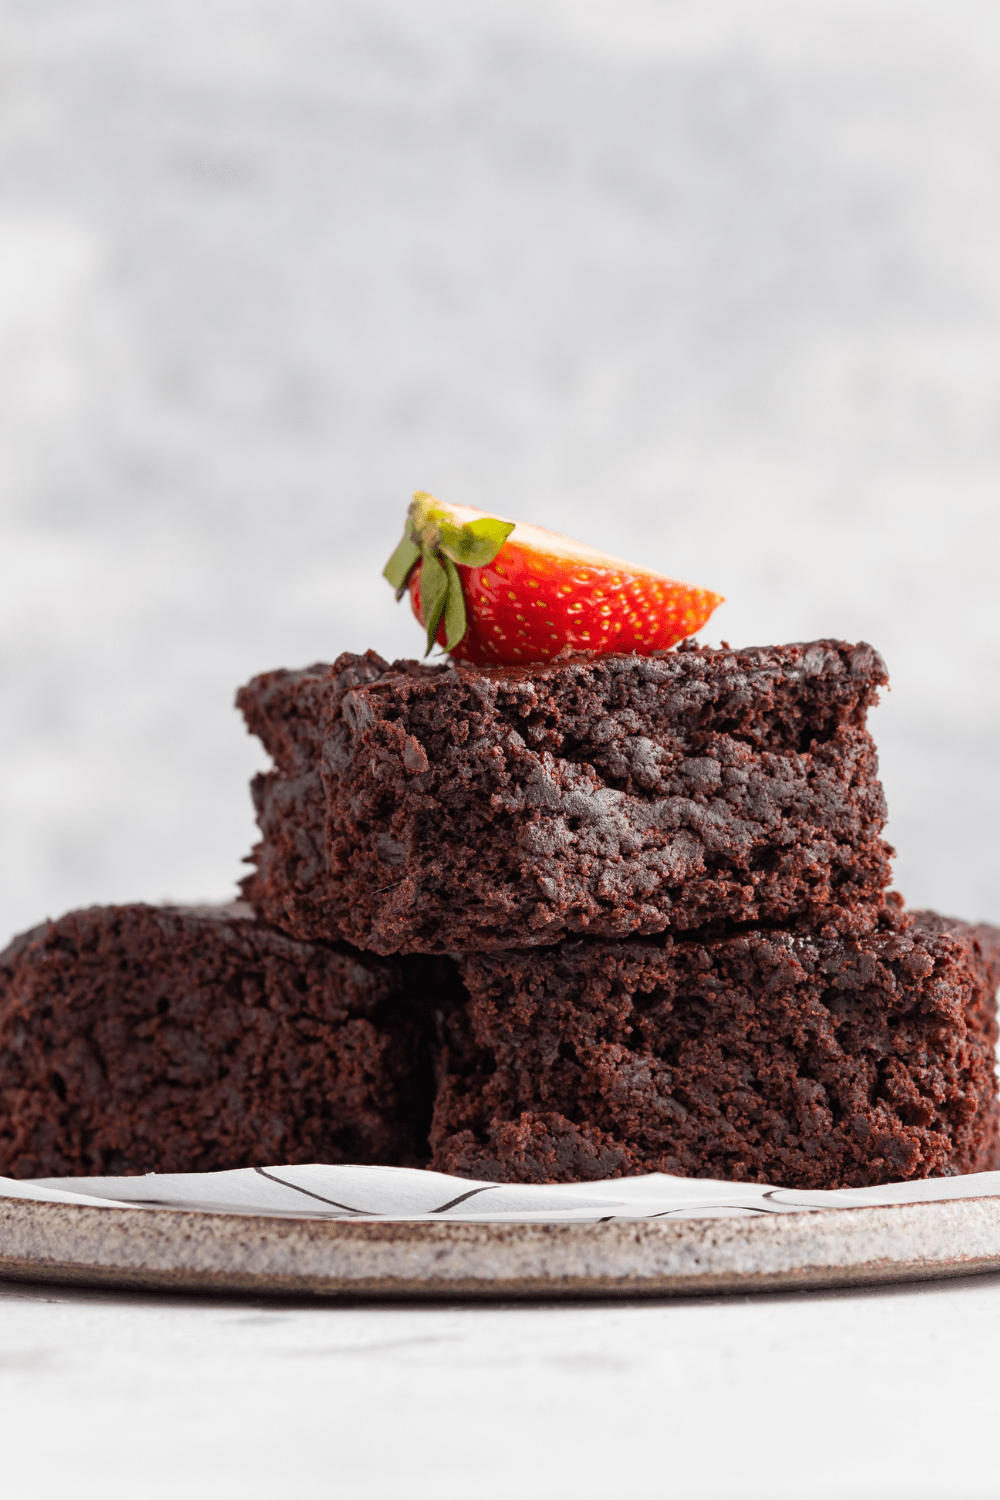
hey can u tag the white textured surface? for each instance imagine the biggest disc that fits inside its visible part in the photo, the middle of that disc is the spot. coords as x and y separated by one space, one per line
716 286
883 1395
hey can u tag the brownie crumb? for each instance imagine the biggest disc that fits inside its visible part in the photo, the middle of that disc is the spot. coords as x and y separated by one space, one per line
433 809
811 1062
146 1039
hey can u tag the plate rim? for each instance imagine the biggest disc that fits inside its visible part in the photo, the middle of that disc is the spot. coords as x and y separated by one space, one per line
185 1250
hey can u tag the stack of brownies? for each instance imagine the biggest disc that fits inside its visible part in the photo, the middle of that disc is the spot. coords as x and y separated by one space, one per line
602 917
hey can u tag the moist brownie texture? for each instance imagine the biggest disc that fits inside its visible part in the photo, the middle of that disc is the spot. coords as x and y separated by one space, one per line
137 1038
804 1060
434 809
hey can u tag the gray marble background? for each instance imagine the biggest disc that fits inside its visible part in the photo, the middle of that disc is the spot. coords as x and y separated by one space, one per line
713 285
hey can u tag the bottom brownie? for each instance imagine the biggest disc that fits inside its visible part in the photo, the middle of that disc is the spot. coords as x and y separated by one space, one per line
765 1057
138 1038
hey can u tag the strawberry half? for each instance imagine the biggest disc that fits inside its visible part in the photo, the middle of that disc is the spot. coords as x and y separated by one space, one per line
496 592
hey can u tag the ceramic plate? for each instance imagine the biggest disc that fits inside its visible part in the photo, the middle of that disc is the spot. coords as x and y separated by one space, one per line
194 1251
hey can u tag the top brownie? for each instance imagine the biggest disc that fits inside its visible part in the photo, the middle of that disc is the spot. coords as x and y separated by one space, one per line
446 808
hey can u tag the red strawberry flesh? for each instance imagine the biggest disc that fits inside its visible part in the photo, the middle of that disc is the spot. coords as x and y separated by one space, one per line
543 594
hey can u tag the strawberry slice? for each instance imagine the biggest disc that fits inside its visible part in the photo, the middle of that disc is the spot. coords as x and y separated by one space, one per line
496 592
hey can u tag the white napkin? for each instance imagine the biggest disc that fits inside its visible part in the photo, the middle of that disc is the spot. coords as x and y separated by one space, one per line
388 1193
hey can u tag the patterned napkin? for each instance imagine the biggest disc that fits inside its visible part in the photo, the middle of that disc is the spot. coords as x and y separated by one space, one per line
396 1193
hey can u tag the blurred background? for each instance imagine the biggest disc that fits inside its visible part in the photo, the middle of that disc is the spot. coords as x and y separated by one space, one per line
714 286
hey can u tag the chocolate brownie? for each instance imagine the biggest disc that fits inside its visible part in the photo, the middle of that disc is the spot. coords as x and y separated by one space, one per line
137 1039
451 808
766 1056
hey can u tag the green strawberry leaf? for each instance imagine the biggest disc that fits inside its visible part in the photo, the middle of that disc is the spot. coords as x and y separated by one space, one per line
433 596
477 542
454 607
402 562
472 545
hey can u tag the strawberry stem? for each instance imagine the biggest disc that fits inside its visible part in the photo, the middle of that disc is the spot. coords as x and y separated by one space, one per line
433 534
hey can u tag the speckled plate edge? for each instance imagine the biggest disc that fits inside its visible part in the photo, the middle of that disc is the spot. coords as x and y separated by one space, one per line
191 1251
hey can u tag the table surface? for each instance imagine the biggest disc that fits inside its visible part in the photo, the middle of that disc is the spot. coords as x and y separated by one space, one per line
810 1396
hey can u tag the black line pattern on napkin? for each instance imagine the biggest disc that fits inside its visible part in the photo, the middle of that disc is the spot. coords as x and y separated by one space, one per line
750 1208
332 1201
803 1207
453 1202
